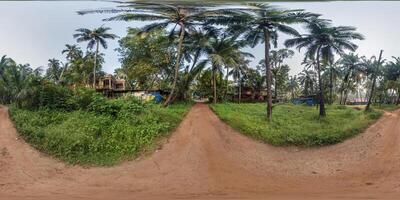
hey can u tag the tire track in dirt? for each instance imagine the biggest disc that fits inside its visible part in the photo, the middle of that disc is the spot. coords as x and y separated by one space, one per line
206 159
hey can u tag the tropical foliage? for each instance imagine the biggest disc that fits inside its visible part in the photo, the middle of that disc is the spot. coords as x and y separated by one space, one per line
200 52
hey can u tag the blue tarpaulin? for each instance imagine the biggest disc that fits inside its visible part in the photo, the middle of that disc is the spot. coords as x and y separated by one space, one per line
308 101
157 97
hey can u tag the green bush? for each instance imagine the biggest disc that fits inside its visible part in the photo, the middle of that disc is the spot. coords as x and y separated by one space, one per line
55 97
103 106
82 98
121 130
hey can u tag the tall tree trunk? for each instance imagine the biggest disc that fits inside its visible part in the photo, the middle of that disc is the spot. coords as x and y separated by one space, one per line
276 88
177 64
331 87
371 95
95 64
226 82
342 87
322 112
214 80
268 73
240 88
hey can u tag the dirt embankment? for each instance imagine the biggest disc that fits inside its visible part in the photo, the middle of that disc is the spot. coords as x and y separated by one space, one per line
206 159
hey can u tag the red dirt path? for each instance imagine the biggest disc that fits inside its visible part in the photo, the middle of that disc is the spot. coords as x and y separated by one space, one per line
206 159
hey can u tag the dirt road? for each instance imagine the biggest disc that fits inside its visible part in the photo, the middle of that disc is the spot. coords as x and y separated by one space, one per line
206 159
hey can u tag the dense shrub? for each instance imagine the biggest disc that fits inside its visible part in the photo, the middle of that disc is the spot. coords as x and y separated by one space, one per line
82 98
121 106
55 97
122 129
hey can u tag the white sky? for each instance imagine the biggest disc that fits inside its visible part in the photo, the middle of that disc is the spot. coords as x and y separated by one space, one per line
35 31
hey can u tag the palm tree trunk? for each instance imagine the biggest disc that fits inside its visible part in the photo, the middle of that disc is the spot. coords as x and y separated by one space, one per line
226 82
345 80
240 89
331 88
177 64
95 64
268 74
276 88
214 80
322 112
371 95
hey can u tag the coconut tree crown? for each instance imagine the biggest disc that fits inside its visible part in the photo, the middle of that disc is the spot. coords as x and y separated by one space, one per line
328 39
92 36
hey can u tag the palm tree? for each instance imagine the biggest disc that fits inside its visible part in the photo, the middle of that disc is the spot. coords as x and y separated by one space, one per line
54 70
225 52
276 60
72 52
238 72
306 79
351 67
373 70
322 42
293 86
195 48
392 73
5 63
185 16
260 23
95 37
18 84
333 73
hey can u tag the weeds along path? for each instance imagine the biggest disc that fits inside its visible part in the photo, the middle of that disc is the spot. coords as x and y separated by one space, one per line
206 159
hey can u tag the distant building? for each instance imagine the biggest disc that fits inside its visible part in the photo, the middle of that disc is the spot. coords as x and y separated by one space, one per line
114 87
109 85
108 82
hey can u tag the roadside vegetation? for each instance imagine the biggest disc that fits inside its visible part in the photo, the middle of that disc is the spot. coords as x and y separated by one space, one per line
296 125
85 128
198 52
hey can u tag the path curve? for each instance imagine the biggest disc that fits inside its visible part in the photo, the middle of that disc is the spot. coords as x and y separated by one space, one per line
206 159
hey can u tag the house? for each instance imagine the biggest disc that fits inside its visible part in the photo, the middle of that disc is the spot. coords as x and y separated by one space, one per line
110 86
108 82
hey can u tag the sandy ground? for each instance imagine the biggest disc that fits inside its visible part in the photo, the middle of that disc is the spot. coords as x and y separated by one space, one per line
206 159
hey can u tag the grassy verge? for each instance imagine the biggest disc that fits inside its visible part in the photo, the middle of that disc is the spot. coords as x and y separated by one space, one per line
92 138
295 125
387 107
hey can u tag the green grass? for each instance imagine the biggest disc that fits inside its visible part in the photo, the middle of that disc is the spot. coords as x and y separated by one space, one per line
89 138
387 107
295 125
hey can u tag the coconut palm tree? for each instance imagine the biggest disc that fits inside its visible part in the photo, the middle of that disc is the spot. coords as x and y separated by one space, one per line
72 52
306 79
277 57
333 73
195 48
186 17
238 72
261 23
373 70
225 52
293 86
351 68
321 42
95 38
392 73
54 70
18 84
5 63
